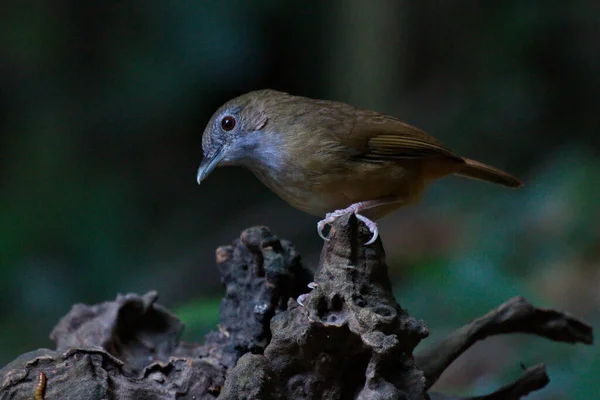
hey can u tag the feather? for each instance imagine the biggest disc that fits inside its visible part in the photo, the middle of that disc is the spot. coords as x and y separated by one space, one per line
387 138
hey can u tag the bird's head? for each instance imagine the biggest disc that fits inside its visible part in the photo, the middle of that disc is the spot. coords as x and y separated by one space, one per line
235 131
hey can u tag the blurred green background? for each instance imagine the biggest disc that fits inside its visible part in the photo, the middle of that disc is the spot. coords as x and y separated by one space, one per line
102 106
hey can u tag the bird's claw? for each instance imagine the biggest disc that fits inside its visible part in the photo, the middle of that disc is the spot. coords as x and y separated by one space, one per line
320 226
372 227
330 217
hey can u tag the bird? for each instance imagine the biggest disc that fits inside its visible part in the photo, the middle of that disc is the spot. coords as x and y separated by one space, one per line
328 158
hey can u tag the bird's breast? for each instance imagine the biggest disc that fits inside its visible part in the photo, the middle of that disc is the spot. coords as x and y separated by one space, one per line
318 186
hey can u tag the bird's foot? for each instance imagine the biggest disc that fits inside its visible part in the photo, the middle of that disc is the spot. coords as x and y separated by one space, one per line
354 208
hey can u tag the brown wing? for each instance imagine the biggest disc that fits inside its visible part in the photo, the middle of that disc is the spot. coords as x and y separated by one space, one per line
380 137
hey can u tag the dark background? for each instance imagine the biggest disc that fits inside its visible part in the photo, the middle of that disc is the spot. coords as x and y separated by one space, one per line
102 107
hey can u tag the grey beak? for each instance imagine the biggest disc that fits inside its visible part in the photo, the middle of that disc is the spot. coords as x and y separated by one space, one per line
209 164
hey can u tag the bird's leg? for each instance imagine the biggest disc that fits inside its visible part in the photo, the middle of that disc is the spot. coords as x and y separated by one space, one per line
356 208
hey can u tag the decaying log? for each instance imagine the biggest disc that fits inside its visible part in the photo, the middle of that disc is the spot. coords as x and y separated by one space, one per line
534 378
349 339
514 316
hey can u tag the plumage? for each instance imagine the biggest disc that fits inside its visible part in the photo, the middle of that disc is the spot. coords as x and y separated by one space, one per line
321 155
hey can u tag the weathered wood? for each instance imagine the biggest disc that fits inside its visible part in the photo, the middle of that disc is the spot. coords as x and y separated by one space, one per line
349 339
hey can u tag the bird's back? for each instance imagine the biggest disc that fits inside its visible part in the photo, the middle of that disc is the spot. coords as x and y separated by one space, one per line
334 154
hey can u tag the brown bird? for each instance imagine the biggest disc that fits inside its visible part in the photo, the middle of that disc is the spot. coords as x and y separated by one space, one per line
328 158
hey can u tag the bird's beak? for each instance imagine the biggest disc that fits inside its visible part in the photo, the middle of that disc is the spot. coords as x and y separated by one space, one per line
209 164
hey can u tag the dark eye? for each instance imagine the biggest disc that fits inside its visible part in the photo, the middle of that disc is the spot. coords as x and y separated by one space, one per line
228 123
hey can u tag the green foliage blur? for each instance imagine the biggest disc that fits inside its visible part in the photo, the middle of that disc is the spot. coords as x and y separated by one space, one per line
102 109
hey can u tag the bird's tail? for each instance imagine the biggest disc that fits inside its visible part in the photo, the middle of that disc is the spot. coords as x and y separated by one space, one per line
476 170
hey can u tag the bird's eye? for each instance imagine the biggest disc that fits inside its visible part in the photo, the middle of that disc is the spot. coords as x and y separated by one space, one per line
228 123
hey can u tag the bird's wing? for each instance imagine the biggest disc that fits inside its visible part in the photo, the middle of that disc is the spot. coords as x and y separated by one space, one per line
380 137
